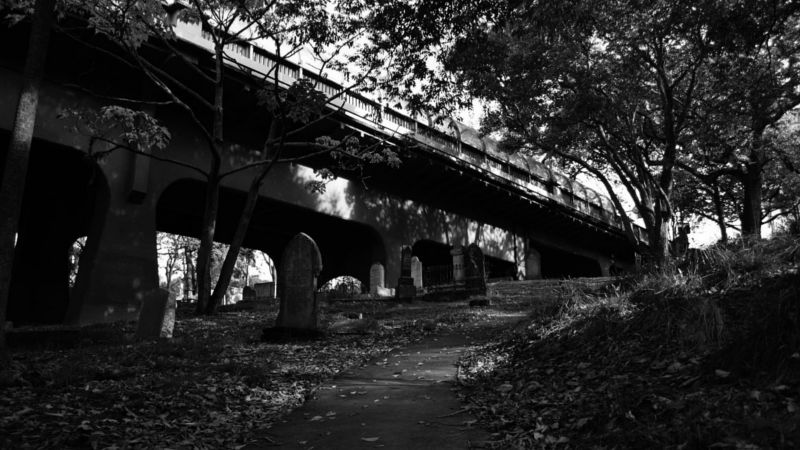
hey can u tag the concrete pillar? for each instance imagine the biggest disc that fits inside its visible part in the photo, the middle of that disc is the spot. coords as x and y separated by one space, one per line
533 264
605 265
120 264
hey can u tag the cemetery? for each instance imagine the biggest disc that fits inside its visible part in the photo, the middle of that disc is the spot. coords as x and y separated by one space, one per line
347 224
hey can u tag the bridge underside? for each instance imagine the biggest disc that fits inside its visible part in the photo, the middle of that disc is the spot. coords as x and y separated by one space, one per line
430 200
347 247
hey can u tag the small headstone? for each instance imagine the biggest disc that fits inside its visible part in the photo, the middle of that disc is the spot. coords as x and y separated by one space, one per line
416 272
458 263
264 290
405 284
533 264
385 292
377 278
156 316
301 263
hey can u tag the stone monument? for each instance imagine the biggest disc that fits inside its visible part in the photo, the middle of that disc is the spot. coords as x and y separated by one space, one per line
416 272
458 264
301 263
405 284
475 269
377 278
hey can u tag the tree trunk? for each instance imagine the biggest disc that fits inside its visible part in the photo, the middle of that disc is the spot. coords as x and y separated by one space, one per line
209 226
229 263
15 168
658 232
720 214
212 191
751 205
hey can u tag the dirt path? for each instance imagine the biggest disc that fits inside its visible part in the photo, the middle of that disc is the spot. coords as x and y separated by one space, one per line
405 400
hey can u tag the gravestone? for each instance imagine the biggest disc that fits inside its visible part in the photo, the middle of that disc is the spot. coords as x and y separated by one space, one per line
377 278
458 263
475 268
416 272
156 315
405 284
301 262
533 264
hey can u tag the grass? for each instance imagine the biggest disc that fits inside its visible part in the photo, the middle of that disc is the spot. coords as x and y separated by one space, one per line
704 353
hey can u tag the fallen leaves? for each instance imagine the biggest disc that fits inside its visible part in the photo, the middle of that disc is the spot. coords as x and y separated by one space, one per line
603 380
210 387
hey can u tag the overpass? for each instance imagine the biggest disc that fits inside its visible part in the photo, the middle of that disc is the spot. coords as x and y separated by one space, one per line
453 187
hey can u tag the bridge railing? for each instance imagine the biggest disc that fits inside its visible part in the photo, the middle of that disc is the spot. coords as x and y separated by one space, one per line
526 174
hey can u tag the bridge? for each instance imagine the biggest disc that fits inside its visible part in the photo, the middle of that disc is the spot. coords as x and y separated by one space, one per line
453 187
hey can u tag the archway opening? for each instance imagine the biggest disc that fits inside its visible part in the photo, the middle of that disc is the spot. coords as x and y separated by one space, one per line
563 264
500 269
347 247
432 253
343 286
253 274
66 195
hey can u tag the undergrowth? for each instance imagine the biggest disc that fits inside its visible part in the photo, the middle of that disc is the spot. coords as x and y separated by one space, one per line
702 353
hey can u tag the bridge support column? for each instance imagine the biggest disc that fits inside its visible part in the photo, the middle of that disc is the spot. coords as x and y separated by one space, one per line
533 264
120 264
605 266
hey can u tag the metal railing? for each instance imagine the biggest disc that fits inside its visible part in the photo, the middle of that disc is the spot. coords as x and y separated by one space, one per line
527 175
437 275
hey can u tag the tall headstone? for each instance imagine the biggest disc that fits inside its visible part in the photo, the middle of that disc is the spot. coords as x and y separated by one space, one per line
405 284
301 263
458 263
416 272
377 278
533 264
156 315
475 268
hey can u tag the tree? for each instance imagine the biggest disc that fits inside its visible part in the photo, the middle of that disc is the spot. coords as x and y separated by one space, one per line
758 41
15 167
323 28
605 86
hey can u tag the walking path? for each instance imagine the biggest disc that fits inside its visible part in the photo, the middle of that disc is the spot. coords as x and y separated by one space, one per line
405 400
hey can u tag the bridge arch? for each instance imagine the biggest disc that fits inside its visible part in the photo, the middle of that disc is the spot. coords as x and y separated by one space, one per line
347 247
66 197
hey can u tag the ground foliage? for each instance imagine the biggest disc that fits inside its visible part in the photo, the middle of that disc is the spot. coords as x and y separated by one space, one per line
705 354
209 387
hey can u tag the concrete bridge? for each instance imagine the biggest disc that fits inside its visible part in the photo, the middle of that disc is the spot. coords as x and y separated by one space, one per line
453 187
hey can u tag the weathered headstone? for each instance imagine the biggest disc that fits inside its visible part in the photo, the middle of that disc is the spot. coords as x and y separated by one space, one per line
533 264
475 268
458 263
301 263
405 284
416 272
377 277
156 315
